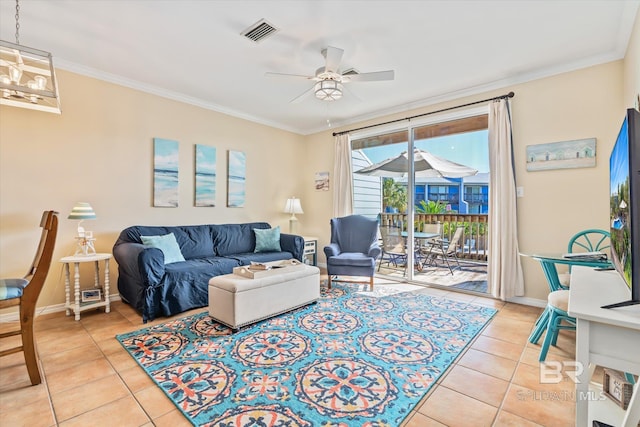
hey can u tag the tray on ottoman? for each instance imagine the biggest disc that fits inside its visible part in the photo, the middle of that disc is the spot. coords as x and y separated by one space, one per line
237 301
258 270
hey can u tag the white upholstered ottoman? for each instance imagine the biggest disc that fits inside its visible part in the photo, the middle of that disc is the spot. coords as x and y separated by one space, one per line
237 301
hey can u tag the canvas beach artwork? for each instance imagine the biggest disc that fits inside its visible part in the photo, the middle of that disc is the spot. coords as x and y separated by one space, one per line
165 173
580 153
236 176
205 176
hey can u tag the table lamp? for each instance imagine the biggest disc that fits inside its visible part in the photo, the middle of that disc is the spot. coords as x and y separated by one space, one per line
293 207
82 211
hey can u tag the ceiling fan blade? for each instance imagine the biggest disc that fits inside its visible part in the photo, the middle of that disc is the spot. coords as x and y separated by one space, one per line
370 77
351 93
299 76
333 57
302 96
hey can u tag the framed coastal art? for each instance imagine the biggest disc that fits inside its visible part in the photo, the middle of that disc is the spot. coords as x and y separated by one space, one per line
322 181
205 176
165 173
580 153
236 176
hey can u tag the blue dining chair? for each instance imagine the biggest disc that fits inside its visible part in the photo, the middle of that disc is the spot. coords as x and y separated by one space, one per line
590 240
555 316
558 319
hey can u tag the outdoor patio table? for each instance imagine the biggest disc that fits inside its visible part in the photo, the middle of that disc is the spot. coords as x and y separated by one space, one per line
419 237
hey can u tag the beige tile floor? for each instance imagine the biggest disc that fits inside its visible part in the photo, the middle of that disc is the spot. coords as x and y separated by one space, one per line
89 380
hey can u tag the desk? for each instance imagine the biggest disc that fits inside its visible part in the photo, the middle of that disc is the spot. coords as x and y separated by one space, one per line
604 337
77 306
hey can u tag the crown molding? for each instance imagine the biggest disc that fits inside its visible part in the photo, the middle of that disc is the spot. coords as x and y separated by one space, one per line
165 93
478 89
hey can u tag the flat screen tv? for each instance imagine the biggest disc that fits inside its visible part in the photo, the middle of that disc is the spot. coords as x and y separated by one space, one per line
624 205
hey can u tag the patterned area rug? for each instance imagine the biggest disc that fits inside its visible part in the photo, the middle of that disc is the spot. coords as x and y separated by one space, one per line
352 359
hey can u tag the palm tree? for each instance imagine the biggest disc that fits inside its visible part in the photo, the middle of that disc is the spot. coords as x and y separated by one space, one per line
394 194
431 207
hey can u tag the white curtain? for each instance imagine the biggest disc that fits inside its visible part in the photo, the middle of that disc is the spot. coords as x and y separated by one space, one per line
504 272
342 179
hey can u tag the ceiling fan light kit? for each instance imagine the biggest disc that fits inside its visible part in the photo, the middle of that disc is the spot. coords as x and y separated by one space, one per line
328 90
329 80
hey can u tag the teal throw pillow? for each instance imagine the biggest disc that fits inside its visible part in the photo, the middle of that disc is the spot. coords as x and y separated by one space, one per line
267 240
167 244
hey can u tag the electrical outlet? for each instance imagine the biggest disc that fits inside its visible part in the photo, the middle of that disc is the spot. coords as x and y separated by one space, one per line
519 191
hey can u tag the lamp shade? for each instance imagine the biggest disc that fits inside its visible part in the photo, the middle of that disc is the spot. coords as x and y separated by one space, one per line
293 206
81 211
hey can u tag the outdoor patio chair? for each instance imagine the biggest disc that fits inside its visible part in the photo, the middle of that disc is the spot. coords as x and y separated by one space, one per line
393 247
437 251
431 228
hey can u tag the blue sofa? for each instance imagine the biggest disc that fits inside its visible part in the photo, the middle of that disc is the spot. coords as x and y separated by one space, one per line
155 289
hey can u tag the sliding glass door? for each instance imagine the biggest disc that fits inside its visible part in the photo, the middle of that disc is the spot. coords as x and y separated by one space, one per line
412 203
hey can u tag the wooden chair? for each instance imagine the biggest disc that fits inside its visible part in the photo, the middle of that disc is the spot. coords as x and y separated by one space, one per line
24 293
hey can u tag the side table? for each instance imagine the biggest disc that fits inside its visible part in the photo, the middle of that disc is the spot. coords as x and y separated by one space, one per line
77 306
311 249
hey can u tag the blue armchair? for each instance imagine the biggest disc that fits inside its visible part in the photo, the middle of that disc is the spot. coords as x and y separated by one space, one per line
353 249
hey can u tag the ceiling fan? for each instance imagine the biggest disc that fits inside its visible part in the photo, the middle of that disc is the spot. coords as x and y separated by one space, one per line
329 79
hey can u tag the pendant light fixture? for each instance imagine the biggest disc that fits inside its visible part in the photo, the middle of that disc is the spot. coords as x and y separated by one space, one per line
27 76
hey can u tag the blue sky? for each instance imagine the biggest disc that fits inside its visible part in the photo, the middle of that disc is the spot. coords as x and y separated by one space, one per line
165 154
620 157
469 149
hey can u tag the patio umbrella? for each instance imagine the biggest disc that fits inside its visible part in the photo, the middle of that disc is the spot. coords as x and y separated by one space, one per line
427 165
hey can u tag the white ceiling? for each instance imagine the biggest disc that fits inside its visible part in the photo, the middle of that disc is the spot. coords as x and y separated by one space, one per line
192 50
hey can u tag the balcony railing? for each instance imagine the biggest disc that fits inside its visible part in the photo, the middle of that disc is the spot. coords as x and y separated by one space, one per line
475 198
476 229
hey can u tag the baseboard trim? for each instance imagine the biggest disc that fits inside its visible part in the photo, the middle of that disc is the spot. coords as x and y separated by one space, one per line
56 308
528 301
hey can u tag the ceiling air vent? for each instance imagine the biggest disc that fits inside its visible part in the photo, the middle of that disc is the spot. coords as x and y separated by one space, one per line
259 31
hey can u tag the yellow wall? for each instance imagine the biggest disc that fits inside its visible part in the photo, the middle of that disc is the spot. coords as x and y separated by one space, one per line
100 150
581 104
